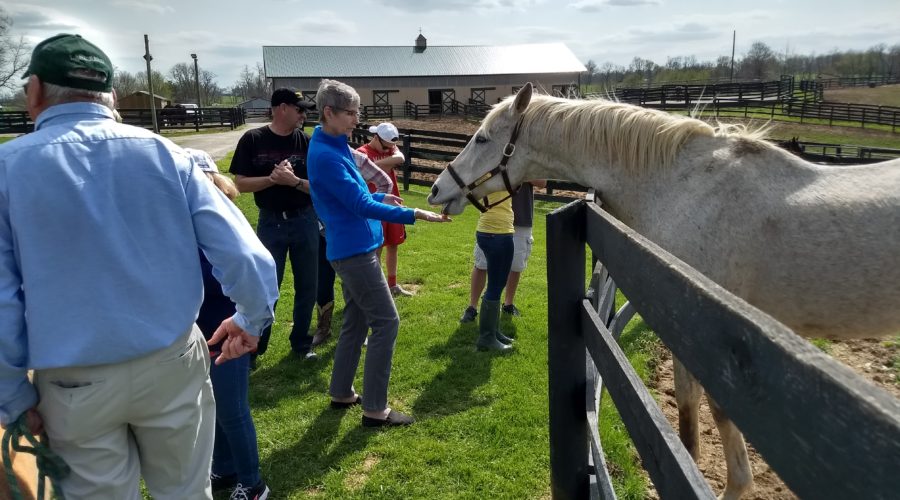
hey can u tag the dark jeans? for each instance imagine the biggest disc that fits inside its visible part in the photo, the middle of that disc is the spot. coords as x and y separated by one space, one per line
297 238
325 293
235 450
499 250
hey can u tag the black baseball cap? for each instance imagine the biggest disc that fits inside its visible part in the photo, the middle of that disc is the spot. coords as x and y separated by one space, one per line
292 97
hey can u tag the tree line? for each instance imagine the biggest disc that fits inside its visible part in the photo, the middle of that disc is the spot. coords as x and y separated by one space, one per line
760 62
178 85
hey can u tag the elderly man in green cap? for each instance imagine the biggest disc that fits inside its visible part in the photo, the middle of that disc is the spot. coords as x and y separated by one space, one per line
100 284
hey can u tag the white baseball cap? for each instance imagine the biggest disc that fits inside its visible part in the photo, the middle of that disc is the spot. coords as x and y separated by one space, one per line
203 160
386 131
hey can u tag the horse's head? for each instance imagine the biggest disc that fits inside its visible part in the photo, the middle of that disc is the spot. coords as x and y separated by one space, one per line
488 163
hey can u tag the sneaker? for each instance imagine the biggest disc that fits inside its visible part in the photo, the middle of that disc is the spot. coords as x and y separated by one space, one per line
468 315
306 356
222 483
397 291
258 492
511 309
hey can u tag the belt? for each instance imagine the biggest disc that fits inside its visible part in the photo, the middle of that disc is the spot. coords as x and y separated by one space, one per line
288 214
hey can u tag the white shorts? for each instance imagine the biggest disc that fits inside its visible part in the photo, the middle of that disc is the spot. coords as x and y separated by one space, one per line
522 240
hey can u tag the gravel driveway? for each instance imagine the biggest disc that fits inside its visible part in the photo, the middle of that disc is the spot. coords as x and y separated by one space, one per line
217 145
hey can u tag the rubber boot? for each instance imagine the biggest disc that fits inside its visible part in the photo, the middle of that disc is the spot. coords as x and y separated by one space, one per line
502 338
323 324
488 319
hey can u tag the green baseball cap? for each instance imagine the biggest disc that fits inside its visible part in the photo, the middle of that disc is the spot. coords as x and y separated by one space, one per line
71 61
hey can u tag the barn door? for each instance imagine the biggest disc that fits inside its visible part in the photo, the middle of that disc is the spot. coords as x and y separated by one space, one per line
447 98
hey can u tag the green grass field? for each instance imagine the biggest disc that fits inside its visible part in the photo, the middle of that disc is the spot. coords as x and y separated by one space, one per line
482 418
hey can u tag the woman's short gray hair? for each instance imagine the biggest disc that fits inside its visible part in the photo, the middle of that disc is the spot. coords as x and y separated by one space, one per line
336 95
57 94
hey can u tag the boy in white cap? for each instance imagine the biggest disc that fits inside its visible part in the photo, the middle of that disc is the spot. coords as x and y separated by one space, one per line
382 149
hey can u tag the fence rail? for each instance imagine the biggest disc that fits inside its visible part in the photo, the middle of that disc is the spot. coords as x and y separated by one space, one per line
18 122
828 434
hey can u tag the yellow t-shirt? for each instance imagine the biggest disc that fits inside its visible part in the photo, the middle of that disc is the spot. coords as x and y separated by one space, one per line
499 219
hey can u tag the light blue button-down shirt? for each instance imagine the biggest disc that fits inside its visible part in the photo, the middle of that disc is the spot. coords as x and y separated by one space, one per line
100 224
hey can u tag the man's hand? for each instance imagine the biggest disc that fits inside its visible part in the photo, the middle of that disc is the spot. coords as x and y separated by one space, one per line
429 216
283 174
390 199
236 342
34 422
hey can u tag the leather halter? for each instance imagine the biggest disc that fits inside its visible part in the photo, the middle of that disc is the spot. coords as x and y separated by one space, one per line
467 189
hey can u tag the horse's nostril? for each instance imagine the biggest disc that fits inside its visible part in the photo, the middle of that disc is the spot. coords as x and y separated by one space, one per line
434 191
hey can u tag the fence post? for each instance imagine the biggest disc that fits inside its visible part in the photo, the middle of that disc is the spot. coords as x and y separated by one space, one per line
864 118
407 162
566 352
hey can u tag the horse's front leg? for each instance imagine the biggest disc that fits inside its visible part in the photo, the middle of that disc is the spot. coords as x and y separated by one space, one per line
687 397
740 477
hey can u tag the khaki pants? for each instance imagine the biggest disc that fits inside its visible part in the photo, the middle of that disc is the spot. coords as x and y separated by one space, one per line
153 417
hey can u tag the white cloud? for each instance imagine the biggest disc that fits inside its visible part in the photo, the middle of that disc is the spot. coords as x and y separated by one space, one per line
144 5
597 5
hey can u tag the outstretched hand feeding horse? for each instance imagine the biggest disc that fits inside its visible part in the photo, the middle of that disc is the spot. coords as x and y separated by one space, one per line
816 247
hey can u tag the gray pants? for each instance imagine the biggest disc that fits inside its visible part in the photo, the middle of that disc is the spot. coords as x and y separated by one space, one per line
367 304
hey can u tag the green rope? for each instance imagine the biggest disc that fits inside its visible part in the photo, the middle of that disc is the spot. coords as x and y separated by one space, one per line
48 463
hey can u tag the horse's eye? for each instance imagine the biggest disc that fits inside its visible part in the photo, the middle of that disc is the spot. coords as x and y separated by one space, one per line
480 139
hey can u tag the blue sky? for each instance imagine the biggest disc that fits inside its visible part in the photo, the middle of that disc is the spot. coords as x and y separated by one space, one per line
228 35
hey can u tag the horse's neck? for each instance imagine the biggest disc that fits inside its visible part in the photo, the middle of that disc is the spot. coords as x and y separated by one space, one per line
620 188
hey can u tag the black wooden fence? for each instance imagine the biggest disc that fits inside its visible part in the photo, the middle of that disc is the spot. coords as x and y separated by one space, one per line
18 122
826 431
442 148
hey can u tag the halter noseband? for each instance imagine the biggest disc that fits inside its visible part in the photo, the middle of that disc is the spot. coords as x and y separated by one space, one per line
508 151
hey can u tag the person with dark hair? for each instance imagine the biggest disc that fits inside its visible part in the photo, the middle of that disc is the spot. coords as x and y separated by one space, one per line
100 285
270 162
352 218
235 461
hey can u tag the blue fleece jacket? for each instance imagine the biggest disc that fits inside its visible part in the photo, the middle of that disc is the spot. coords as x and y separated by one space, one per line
342 200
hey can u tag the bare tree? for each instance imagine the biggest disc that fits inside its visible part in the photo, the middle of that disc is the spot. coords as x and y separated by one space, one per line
252 83
160 85
591 70
209 88
14 54
126 83
759 62
181 79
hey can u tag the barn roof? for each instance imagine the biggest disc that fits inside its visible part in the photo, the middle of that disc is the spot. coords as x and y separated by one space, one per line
395 61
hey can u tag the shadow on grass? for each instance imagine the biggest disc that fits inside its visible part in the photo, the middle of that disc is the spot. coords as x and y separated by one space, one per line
453 390
289 377
303 465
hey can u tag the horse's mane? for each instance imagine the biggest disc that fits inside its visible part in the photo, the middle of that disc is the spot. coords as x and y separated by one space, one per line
634 137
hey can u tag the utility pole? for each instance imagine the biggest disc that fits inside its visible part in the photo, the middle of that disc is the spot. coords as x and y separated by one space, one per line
148 58
733 39
197 80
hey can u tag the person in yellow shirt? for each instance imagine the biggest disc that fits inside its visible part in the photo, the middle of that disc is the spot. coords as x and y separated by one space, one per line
494 238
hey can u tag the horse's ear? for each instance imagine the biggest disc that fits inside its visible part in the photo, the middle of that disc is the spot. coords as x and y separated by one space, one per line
523 98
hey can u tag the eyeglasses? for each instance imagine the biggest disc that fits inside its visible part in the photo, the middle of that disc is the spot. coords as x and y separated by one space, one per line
386 144
351 112
301 110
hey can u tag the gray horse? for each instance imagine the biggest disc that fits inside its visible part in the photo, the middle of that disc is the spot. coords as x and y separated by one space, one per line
816 247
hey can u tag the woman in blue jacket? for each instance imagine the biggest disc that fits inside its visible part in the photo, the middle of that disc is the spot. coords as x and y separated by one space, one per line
352 217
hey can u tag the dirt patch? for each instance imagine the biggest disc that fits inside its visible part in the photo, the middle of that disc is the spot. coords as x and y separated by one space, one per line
884 95
873 359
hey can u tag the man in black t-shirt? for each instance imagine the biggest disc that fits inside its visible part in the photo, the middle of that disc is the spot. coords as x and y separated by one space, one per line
270 162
